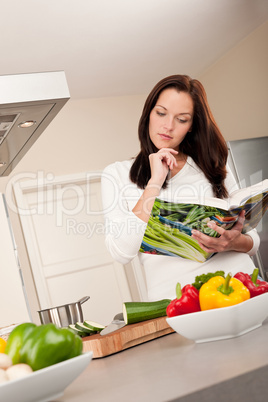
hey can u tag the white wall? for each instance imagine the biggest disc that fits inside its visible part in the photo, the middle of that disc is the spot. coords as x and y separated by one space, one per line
237 88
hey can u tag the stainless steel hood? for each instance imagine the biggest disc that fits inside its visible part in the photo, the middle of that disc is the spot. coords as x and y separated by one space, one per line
28 103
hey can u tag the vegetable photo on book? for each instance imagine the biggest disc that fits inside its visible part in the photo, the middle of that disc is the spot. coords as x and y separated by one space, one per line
170 225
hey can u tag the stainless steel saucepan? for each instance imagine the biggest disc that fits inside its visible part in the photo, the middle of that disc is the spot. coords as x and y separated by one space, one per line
64 315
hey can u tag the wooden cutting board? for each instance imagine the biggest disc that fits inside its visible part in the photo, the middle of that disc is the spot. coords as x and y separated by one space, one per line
126 337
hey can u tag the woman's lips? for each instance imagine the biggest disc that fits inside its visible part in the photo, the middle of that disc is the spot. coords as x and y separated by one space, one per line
165 136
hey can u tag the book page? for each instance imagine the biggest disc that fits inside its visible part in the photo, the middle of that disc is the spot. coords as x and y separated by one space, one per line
239 197
206 201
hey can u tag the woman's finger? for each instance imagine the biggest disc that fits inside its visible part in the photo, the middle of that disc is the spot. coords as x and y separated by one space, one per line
171 150
214 226
166 155
240 222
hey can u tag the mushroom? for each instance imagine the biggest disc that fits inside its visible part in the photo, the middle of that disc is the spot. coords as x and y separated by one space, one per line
3 376
18 370
5 361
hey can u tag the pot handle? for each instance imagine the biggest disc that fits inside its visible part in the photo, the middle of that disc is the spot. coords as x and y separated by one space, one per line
84 299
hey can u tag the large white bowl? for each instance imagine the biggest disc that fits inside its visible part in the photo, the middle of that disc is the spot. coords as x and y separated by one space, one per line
46 384
222 323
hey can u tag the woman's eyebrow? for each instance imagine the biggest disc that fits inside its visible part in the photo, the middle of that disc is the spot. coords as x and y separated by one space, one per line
178 113
161 106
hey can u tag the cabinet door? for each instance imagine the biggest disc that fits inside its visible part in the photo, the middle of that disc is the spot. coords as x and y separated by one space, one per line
64 231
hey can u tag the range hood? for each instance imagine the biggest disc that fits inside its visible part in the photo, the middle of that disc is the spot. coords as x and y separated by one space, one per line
28 103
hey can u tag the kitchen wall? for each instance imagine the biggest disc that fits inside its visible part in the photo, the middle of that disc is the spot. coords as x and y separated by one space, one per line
237 88
88 134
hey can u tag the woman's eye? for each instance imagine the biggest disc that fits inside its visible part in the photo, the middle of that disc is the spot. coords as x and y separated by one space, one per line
182 121
160 114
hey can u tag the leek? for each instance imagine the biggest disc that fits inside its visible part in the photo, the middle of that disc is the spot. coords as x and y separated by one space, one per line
161 236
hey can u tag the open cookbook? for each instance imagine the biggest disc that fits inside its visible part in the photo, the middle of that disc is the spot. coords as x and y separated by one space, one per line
170 225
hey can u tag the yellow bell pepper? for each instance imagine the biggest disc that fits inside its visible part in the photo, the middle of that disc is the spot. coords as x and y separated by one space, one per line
220 292
2 345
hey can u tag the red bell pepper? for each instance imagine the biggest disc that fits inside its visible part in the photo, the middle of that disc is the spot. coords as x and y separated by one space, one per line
255 286
187 301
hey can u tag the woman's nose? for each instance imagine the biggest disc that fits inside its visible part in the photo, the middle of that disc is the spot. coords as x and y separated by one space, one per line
168 123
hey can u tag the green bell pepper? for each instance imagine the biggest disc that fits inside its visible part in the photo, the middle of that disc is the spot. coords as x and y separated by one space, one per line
16 340
45 345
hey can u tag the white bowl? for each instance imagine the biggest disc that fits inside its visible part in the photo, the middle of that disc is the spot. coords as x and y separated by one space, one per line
222 323
46 384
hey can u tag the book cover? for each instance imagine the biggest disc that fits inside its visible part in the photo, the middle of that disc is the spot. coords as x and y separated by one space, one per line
169 228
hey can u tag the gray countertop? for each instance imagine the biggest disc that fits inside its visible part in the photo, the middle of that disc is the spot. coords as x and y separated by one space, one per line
174 368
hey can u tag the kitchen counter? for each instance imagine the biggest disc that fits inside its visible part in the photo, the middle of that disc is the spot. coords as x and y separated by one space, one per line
173 368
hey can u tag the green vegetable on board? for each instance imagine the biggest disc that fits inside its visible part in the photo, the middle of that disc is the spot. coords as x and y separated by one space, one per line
81 327
77 331
142 311
93 326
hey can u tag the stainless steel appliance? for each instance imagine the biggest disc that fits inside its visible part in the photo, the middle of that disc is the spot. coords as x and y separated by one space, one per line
28 103
248 160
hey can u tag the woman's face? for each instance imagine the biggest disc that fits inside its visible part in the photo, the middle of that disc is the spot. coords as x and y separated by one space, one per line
171 119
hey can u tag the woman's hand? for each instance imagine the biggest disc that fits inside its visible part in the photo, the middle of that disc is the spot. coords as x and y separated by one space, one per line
161 162
231 239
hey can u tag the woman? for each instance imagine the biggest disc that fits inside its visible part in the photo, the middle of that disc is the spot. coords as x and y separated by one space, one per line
182 154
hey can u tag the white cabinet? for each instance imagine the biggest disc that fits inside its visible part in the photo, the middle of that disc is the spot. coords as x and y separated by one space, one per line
63 227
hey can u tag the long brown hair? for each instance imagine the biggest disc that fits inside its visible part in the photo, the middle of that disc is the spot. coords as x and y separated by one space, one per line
204 144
